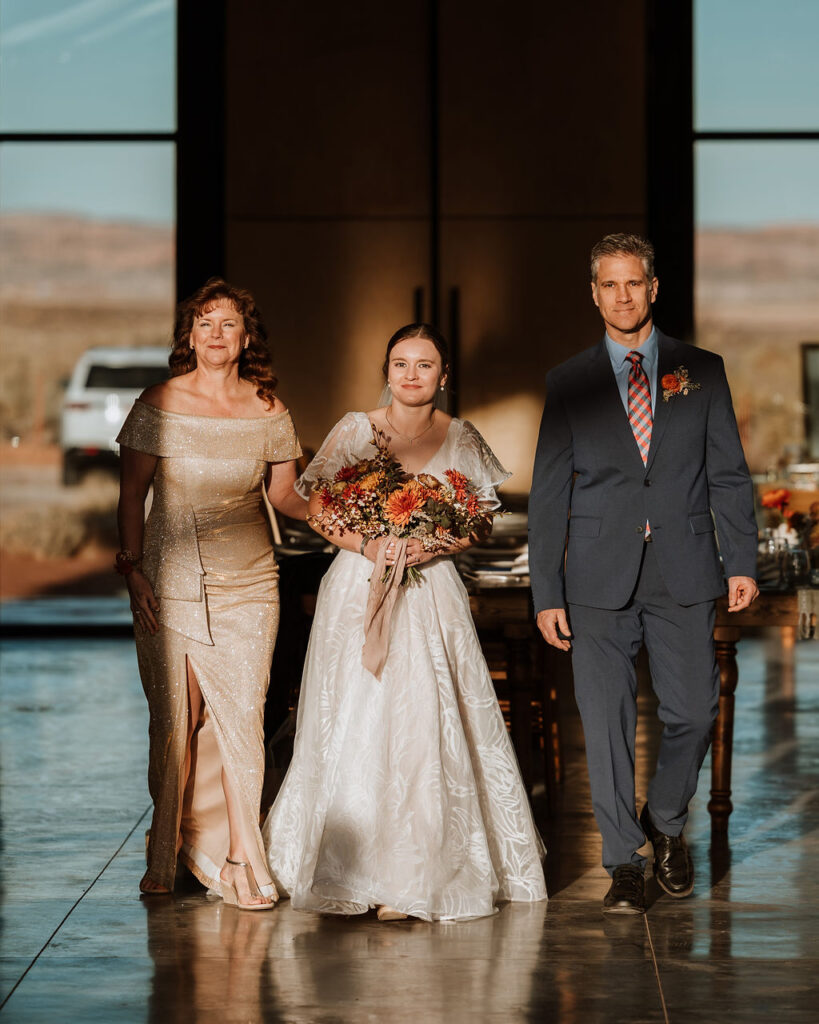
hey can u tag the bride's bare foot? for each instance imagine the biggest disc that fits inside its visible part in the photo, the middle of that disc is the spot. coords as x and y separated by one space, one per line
148 887
239 888
385 913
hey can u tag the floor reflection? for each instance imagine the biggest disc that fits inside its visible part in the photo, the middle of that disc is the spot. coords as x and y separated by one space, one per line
206 955
77 944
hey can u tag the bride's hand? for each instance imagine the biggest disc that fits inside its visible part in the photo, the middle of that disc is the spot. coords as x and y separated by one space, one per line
415 552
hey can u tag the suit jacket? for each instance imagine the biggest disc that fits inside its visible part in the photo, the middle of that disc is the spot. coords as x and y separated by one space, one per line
590 482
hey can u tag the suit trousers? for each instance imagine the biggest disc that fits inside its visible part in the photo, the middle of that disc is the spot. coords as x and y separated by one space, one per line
684 675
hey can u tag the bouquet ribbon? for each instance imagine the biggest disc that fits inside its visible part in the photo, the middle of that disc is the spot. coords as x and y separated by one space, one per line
380 603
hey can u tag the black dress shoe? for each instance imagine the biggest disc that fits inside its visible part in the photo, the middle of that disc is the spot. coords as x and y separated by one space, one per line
673 867
627 894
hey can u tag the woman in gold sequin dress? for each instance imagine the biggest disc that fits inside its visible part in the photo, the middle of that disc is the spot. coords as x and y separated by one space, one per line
203 583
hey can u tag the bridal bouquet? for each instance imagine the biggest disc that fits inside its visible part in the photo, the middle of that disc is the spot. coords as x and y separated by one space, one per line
376 498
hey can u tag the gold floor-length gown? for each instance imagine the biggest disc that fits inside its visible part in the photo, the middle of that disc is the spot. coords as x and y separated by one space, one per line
209 557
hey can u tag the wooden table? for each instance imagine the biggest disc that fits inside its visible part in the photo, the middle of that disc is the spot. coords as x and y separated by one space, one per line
506 612
509 609
769 609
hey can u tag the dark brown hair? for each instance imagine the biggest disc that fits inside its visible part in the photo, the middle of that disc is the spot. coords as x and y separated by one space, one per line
255 363
623 245
426 331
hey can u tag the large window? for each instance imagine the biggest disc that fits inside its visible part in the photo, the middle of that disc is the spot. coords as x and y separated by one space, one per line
88 140
756 121
87 166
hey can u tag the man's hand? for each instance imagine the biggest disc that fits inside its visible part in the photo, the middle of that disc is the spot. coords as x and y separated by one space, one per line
551 622
741 591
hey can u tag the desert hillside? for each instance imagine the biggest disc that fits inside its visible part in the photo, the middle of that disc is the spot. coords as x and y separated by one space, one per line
67 283
757 303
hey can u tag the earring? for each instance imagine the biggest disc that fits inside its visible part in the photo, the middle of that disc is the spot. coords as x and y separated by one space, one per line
388 386
246 344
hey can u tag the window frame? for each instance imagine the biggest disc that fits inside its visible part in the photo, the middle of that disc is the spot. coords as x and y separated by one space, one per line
671 142
199 184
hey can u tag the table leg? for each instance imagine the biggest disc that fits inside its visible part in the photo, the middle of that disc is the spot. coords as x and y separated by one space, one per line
720 806
519 675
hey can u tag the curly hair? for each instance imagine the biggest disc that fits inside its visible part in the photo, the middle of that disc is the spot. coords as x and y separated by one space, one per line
255 364
623 244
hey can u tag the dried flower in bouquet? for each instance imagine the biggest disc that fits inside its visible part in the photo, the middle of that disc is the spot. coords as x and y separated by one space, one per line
376 498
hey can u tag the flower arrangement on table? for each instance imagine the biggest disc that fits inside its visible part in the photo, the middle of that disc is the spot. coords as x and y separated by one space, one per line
376 498
776 499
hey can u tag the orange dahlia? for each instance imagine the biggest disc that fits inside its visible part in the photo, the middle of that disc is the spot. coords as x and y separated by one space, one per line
404 503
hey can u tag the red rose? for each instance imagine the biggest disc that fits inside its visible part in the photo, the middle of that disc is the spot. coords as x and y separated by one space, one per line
670 382
775 499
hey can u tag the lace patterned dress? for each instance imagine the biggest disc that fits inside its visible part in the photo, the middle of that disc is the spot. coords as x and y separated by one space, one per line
404 791
209 557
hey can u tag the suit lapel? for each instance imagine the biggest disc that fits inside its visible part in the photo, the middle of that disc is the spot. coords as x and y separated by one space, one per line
602 383
667 360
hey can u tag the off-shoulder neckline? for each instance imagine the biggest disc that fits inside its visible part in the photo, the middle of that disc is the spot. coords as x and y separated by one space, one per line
220 419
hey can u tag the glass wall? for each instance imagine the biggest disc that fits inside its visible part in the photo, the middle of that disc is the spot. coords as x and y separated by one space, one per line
87 229
100 66
757 213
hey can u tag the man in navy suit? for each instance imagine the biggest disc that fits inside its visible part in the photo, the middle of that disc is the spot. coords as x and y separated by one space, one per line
639 471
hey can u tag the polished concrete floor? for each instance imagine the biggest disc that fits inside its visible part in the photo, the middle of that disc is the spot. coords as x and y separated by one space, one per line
79 945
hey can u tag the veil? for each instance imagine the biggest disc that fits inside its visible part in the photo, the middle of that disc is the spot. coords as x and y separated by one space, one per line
441 398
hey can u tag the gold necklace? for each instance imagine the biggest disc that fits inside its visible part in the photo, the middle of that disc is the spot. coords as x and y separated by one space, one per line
411 440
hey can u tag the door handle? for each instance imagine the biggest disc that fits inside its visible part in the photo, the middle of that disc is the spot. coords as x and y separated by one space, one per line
418 305
454 328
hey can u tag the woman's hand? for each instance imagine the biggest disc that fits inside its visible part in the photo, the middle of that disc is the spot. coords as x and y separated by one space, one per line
416 555
143 602
372 547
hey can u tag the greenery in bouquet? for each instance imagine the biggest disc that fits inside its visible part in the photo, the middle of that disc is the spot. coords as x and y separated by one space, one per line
376 498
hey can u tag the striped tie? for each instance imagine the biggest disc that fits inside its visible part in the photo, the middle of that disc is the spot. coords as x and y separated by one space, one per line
639 404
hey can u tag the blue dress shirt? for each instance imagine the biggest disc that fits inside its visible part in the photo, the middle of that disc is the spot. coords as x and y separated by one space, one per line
621 366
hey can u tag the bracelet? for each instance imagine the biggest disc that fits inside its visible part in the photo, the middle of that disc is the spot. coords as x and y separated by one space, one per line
364 542
126 561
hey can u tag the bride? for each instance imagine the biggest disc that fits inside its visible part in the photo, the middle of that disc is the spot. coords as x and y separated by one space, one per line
404 792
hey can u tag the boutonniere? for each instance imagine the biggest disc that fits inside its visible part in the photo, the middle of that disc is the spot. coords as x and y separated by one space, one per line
677 383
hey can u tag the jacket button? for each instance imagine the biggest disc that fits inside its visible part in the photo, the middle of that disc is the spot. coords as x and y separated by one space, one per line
646 483
639 529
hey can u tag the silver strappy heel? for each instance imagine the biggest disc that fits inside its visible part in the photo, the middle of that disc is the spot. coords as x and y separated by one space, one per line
230 893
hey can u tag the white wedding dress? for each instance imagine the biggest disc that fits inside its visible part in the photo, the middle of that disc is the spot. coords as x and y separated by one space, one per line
404 791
